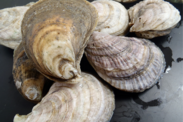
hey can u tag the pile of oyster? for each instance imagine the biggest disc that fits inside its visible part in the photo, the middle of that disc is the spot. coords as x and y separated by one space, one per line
50 38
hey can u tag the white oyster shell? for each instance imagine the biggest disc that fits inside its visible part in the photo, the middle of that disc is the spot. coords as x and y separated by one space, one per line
153 15
88 101
128 64
113 17
10 26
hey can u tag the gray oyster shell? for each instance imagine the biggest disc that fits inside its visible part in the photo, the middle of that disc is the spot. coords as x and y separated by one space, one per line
128 64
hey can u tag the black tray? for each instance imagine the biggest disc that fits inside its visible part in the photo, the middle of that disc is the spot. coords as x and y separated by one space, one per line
162 103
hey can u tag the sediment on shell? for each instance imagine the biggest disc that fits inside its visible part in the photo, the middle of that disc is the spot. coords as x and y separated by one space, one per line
28 81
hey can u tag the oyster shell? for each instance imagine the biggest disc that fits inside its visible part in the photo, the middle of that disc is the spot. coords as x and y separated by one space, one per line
55 33
153 18
10 26
113 17
28 80
128 64
88 101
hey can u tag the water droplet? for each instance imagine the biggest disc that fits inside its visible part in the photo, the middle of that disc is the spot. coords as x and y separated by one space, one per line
168 56
167 70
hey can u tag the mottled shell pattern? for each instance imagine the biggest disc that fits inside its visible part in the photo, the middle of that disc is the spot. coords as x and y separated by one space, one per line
88 101
10 26
153 18
56 42
28 80
113 17
128 64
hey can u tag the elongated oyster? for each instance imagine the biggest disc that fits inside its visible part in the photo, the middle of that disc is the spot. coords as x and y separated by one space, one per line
28 80
152 18
88 101
55 33
10 26
128 64
113 17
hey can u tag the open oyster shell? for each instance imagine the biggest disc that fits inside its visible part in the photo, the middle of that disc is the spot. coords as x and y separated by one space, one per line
153 18
28 80
113 17
10 26
128 64
55 33
88 101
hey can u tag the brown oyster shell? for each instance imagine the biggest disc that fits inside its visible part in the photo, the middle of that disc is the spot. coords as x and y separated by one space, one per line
113 17
88 101
55 33
153 18
128 64
28 80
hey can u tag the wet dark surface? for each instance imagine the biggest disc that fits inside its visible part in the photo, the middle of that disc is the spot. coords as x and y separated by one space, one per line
162 103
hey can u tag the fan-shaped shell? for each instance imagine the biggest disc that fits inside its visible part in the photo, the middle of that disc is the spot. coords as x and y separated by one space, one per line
153 15
55 33
88 101
128 64
113 17
28 80
10 26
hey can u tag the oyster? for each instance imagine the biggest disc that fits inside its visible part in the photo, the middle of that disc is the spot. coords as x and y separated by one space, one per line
153 18
10 26
28 80
55 33
88 101
128 64
113 17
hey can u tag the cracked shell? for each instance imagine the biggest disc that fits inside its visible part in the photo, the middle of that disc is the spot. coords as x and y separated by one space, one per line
128 64
55 33
88 101
153 18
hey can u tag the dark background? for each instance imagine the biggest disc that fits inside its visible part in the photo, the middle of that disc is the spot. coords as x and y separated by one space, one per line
161 103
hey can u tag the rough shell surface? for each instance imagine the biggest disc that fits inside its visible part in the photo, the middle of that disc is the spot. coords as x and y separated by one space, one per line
56 42
88 101
113 17
28 80
128 64
10 26
153 15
